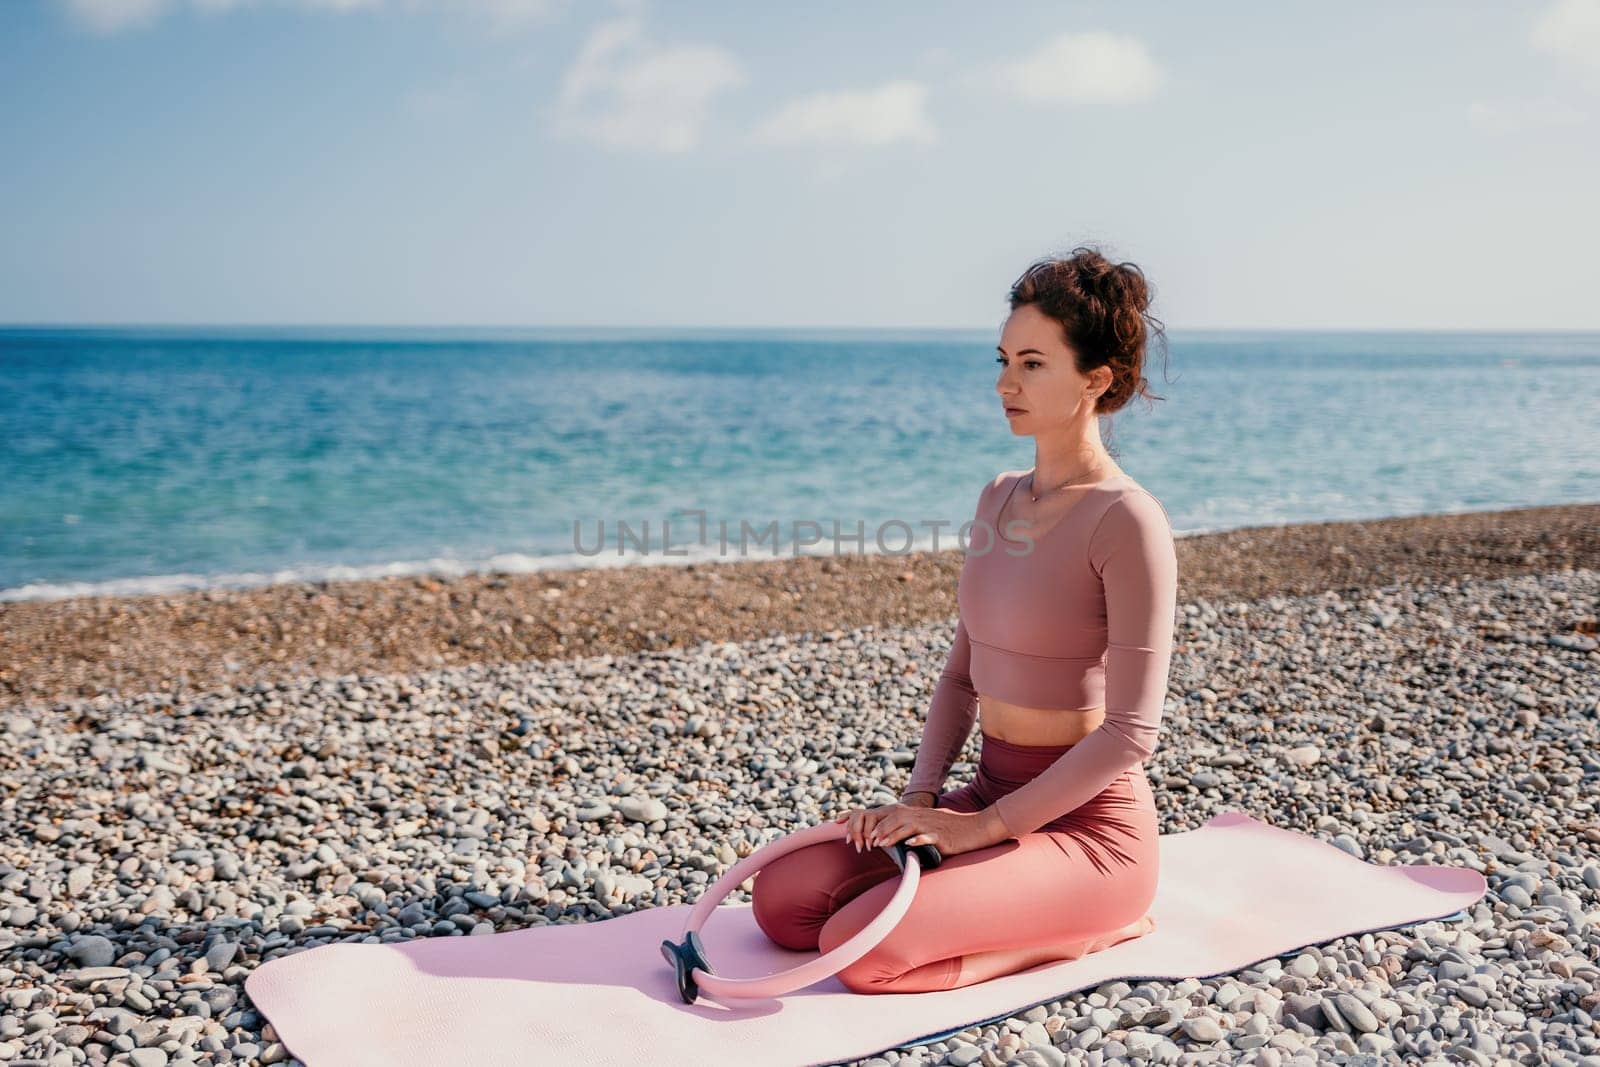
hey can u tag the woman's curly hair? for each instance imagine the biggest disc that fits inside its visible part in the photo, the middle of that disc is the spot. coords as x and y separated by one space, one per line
1104 312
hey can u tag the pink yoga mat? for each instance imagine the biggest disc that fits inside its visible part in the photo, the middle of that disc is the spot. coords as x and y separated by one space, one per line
1233 892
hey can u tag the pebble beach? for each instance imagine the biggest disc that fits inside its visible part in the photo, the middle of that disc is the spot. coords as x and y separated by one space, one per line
198 783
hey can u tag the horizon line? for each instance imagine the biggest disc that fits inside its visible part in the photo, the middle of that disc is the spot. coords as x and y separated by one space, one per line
4 326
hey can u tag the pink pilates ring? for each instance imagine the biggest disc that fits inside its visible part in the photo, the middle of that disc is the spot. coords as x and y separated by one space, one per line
688 956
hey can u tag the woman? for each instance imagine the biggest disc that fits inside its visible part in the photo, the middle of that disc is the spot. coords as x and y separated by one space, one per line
1067 598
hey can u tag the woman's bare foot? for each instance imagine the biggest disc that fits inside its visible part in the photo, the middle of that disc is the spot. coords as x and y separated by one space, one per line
1138 928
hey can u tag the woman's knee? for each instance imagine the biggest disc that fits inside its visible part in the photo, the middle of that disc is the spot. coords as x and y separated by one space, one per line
886 967
787 892
775 901
794 894
864 974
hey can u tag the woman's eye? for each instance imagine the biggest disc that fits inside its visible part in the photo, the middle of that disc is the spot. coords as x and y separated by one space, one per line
1026 363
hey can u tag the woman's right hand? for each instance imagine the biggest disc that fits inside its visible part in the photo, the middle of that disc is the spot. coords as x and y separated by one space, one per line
862 821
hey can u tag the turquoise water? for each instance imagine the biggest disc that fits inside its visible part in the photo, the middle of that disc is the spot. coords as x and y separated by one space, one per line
143 460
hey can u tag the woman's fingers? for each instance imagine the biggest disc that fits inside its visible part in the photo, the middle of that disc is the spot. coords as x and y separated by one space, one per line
864 830
868 828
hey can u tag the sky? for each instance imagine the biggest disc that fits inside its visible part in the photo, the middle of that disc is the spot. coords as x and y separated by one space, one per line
898 164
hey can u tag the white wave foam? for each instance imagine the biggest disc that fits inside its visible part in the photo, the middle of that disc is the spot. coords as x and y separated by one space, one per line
441 566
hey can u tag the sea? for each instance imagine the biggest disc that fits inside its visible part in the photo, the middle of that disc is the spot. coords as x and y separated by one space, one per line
158 459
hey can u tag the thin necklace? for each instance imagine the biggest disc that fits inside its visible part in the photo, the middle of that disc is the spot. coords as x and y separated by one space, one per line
1035 496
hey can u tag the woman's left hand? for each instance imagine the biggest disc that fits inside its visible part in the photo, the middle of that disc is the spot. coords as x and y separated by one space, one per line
952 832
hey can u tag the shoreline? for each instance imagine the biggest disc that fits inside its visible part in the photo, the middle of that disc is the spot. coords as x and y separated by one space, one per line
183 644
514 564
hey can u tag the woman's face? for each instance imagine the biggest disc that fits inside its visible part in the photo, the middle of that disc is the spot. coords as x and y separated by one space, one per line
1039 383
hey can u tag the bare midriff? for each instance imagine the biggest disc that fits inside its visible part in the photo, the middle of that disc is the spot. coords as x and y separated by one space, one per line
1037 727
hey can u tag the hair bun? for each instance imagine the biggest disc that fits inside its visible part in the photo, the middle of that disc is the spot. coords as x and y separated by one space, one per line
1103 308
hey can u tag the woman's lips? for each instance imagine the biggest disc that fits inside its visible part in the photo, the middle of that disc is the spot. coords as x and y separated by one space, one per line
1015 411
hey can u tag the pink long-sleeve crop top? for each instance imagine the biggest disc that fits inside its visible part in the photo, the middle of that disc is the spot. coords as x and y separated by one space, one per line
1080 616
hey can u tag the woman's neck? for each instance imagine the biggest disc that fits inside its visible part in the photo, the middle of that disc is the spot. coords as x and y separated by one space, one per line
1082 462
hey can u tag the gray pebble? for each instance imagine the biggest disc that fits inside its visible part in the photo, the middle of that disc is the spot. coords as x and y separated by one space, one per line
642 809
92 950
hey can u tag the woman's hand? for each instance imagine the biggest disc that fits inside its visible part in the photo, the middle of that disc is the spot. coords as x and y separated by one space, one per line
952 832
864 821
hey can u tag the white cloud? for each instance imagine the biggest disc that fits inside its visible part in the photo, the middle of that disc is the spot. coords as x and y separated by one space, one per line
1570 30
108 16
1094 65
893 112
1508 116
624 92
505 13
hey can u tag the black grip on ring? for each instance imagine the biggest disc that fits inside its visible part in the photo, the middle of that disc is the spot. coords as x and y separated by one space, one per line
927 855
685 958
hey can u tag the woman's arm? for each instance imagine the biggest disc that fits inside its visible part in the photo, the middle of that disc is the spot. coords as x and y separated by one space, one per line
951 715
1133 552
954 707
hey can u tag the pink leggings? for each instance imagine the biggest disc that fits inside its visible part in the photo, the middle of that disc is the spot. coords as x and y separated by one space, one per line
1078 884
